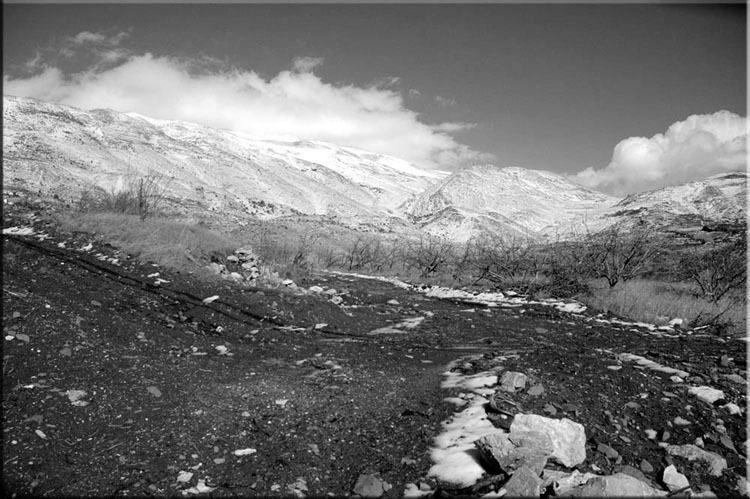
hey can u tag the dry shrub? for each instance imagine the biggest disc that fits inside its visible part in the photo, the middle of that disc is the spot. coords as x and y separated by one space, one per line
162 241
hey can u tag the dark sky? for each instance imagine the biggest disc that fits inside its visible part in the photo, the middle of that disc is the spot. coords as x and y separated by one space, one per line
546 86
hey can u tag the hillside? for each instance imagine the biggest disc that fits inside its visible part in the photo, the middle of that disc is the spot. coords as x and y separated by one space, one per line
62 150
513 200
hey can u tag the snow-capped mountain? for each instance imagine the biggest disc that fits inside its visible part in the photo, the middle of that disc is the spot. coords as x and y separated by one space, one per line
516 201
721 197
62 150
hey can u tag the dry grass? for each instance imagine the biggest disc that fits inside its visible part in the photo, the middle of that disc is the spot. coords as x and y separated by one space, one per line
657 302
165 242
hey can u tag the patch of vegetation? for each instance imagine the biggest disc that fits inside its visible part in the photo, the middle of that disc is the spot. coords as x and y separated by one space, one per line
164 241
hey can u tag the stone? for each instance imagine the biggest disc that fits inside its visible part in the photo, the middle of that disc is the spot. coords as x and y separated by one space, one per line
370 486
727 442
680 421
524 483
233 258
549 409
617 485
510 456
215 268
646 467
607 451
691 452
536 390
568 437
511 381
725 360
673 479
732 408
736 378
634 472
706 394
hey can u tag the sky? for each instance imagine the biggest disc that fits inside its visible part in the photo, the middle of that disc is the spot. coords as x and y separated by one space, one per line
617 97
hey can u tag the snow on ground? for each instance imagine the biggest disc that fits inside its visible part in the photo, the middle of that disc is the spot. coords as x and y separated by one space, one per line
454 454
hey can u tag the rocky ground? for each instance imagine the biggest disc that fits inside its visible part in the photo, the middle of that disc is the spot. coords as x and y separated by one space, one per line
121 378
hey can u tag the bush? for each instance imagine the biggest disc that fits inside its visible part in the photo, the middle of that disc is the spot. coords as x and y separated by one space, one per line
141 196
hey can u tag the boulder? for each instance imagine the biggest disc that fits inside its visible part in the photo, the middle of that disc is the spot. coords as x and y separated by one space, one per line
568 437
715 462
524 483
498 448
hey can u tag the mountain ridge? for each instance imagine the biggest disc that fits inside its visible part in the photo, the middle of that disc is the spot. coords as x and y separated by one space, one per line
63 150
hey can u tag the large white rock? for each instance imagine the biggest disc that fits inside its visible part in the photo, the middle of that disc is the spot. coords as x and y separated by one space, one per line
568 437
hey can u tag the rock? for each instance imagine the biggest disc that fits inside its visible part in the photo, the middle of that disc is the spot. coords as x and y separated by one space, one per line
607 451
706 394
646 467
233 259
570 408
393 302
536 390
736 378
715 462
523 483
634 472
315 289
680 421
215 268
676 379
549 409
727 442
568 438
499 448
732 408
617 485
673 479
724 361
236 276
651 434
512 381
370 486
566 484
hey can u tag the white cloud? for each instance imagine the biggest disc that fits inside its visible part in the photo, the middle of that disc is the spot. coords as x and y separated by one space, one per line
700 146
294 102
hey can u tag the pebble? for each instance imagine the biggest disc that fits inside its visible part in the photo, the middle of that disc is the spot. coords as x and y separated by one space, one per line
607 451
549 409
651 434
681 422
646 467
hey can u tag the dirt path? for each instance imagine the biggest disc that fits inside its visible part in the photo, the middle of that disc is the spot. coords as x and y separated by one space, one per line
114 385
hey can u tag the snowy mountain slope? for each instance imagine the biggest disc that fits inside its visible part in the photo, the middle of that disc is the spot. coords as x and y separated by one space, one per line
63 150
514 200
721 197
60 149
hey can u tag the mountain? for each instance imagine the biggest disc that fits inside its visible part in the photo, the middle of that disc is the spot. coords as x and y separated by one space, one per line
719 198
63 150
516 201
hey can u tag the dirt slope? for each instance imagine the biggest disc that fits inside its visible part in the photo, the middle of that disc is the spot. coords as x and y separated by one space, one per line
113 385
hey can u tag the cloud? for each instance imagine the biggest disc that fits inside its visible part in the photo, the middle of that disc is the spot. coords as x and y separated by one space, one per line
294 102
692 149
306 64
444 101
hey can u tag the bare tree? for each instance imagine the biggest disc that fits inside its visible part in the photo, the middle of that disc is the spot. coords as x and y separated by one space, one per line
617 255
